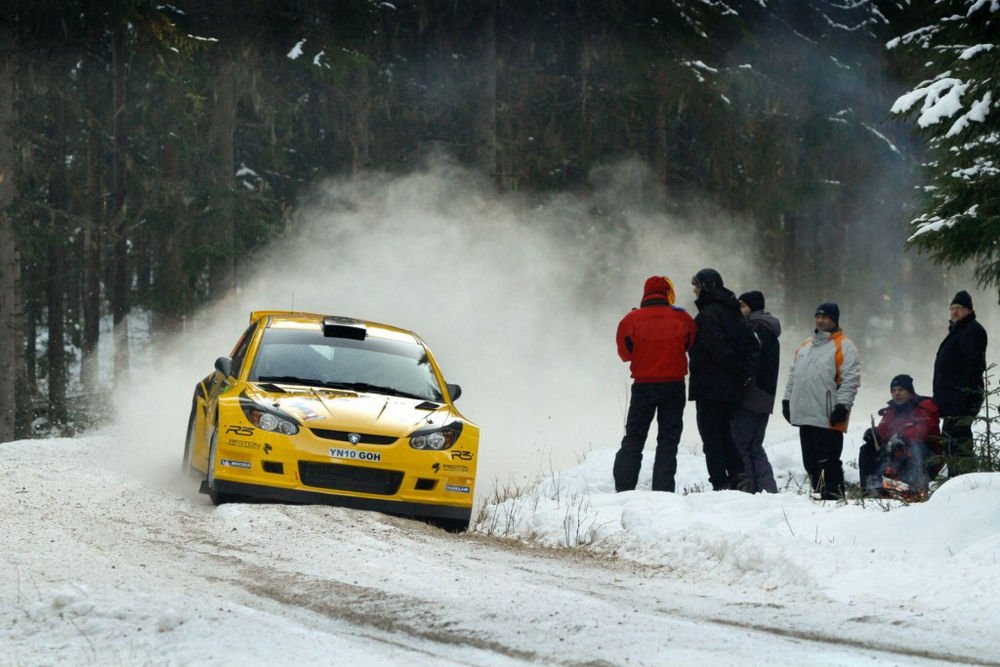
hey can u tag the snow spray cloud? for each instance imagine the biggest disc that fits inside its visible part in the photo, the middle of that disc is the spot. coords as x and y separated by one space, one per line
518 299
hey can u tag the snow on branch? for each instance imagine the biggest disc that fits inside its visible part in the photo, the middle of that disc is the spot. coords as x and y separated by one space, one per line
976 113
927 224
942 99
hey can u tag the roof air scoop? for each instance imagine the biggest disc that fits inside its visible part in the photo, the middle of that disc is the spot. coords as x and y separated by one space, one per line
344 327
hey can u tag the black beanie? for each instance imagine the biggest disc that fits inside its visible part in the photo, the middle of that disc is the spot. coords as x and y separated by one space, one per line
707 279
753 299
831 310
963 299
903 380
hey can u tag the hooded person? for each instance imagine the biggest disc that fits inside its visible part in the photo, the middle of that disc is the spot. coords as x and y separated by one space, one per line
823 382
722 363
757 402
654 339
958 382
903 453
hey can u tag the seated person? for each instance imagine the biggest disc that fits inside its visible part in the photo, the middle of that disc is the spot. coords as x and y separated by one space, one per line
903 453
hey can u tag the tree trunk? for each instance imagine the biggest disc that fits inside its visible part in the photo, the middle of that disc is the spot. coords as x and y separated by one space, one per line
92 231
119 294
486 118
55 276
10 268
9 265
169 285
223 169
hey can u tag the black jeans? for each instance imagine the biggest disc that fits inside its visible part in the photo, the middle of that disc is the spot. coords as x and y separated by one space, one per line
821 450
666 401
956 434
725 467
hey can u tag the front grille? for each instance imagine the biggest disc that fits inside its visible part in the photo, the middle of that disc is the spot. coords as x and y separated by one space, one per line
366 438
350 478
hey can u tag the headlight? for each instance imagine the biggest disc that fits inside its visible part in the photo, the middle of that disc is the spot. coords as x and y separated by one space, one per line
272 422
437 439
267 419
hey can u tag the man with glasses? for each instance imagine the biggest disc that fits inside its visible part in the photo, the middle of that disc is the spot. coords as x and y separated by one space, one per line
958 383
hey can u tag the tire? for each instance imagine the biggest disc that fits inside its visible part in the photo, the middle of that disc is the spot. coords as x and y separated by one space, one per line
216 497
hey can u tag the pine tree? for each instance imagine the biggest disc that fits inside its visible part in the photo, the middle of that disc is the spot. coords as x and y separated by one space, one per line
957 108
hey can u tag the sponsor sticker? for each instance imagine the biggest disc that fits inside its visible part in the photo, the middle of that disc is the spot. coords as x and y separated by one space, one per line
457 488
305 409
354 455
461 454
235 464
244 431
247 444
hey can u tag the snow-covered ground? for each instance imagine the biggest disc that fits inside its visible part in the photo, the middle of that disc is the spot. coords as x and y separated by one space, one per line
110 564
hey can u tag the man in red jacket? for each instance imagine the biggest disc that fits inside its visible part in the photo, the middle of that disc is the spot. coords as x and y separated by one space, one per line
904 452
655 339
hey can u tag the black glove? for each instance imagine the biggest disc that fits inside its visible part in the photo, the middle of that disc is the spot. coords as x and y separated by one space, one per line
839 415
786 411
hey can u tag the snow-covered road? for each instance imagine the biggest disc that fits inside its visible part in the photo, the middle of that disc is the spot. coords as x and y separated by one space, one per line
103 567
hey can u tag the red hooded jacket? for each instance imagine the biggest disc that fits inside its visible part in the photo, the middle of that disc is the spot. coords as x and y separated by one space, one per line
916 421
656 336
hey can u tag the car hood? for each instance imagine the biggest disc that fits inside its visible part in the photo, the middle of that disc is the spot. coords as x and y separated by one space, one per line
340 409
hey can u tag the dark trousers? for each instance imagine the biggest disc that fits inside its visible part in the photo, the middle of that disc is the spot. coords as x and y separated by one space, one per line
725 468
956 435
666 401
748 437
821 450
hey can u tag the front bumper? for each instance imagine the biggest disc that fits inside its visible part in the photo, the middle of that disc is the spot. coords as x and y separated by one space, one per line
299 496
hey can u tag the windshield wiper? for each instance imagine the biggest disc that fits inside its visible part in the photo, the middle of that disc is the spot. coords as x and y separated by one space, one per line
373 388
291 379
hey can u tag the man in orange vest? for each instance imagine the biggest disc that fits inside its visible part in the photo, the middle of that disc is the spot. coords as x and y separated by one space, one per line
822 383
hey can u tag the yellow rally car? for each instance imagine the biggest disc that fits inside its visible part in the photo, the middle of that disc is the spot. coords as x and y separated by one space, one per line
321 409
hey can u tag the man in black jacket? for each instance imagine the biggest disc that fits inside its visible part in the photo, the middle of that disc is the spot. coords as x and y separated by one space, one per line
719 369
958 383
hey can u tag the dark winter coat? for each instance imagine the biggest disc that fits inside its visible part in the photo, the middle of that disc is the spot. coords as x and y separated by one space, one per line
719 363
759 395
959 367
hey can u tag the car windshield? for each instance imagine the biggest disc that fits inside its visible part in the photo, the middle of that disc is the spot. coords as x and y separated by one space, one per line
376 365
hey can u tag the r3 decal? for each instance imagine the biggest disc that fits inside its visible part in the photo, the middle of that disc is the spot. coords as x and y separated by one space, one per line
239 430
461 454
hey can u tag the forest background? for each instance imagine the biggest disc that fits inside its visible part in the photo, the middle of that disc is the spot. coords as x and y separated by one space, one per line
148 150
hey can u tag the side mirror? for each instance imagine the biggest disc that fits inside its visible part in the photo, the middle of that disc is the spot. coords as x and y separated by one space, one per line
455 391
224 365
